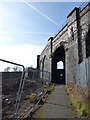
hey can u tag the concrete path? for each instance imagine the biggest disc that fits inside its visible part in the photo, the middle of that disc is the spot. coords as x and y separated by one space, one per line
57 106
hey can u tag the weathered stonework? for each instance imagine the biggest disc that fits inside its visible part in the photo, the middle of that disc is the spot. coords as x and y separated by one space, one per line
73 37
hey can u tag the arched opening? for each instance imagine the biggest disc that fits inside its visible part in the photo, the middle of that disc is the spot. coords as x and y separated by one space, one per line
58 66
43 63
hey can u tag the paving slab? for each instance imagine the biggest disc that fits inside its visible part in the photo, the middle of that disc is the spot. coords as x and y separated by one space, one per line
57 106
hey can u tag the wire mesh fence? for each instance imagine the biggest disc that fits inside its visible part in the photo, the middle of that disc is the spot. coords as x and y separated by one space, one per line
35 86
9 83
21 91
9 92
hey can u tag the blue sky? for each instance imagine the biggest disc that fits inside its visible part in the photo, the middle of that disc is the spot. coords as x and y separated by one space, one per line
24 31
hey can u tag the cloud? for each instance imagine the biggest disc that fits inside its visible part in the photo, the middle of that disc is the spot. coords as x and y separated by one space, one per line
22 54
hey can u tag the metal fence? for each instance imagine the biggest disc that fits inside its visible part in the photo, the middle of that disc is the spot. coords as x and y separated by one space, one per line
0 96
82 73
37 83
17 88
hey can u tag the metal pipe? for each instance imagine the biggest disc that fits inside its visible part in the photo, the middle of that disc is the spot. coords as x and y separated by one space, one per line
12 63
20 86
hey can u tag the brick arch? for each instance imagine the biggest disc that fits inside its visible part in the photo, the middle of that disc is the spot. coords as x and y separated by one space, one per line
61 44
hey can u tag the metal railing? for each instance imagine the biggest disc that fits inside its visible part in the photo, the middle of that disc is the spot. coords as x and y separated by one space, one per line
32 81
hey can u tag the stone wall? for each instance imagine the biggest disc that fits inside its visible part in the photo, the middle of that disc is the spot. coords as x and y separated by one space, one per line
73 37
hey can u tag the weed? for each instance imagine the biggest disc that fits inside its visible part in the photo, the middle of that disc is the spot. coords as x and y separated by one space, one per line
80 106
32 97
83 110
51 88
66 86
70 103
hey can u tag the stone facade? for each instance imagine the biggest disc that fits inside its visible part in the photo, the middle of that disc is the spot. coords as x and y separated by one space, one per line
74 37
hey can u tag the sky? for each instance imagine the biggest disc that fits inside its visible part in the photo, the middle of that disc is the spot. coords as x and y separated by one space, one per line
25 28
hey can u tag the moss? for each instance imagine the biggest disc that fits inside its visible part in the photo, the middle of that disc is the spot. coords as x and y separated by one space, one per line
51 54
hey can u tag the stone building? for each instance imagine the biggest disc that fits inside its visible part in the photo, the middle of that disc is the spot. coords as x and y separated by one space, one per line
70 46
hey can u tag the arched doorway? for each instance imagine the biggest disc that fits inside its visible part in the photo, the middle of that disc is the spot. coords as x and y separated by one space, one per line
58 66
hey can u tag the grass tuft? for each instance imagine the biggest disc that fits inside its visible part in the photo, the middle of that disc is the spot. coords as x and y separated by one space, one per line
51 88
80 106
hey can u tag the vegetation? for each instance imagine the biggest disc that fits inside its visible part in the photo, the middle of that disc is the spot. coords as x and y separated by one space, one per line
32 97
51 88
81 107
41 112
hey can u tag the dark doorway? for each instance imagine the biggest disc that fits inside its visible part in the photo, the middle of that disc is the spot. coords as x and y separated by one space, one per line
58 66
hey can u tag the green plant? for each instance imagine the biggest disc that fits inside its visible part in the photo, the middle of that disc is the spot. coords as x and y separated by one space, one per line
51 54
83 110
32 97
66 86
81 107
51 88
70 103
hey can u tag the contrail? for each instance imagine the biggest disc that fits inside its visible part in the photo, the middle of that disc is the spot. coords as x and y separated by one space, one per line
41 13
18 32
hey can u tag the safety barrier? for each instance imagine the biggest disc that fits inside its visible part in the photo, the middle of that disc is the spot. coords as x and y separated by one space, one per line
22 92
